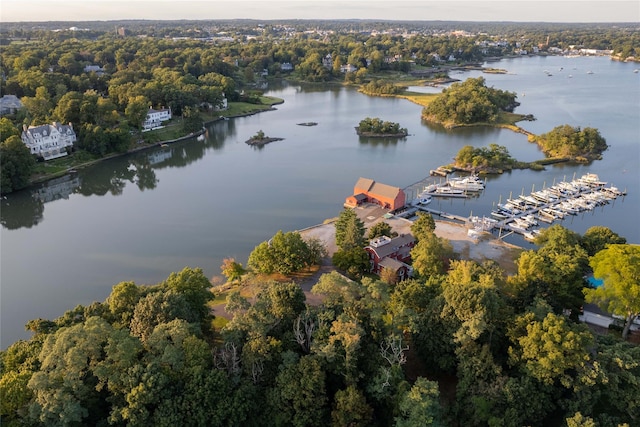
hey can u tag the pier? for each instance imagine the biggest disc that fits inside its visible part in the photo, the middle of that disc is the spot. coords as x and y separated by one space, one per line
523 214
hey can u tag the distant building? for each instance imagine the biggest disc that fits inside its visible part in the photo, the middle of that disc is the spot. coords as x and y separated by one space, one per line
286 66
49 141
349 68
94 69
9 104
367 190
393 254
155 118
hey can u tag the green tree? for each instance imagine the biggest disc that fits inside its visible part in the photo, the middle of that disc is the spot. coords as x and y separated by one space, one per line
597 238
619 268
355 261
420 406
424 226
350 230
17 164
552 350
136 111
65 388
195 287
7 129
122 301
231 269
381 229
351 409
431 255
298 397
284 253
158 308
68 108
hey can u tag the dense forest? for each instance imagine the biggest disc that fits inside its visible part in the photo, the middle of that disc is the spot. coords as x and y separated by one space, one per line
460 344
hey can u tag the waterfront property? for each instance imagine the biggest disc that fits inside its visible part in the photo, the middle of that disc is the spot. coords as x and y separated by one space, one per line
368 190
49 141
155 118
393 254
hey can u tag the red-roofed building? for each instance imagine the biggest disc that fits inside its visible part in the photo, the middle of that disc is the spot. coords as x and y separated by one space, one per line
367 190
393 254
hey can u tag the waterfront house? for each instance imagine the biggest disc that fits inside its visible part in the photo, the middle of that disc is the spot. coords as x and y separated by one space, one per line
49 141
155 118
393 254
9 104
367 190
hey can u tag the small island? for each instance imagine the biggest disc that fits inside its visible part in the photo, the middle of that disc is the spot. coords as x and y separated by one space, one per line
307 124
375 127
571 143
260 139
471 103
493 159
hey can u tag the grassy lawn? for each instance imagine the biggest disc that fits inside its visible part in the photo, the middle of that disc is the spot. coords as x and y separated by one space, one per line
419 98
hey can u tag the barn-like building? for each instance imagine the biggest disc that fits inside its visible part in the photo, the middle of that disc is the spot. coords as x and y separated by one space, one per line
369 191
392 254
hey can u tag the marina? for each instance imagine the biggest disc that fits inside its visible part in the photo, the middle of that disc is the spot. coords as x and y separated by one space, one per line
522 215
551 204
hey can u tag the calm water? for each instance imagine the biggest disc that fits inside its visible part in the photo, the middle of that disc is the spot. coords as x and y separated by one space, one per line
194 203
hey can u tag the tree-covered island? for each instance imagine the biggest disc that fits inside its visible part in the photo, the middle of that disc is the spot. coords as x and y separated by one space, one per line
572 143
472 103
375 127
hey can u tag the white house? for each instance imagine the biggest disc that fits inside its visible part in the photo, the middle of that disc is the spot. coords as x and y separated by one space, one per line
49 141
155 118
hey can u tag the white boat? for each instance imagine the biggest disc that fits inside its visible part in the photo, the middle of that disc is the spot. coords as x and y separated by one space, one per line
499 214
520 223
425 200
530 219
468 183
448 190
530 200
592 180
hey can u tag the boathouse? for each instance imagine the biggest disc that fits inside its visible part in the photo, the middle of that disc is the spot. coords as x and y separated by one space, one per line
391 254
367 190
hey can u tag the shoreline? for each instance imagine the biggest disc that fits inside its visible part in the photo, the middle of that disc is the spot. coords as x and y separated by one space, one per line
134 150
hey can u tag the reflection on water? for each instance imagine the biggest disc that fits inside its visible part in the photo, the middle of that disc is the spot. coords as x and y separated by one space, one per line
26 208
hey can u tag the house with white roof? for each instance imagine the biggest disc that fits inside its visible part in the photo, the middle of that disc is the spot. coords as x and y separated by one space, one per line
155 118
49 141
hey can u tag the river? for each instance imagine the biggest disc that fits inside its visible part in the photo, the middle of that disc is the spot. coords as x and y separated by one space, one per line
194 203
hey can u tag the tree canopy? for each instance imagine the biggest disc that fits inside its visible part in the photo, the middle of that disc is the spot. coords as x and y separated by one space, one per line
619 268
469 102
568 141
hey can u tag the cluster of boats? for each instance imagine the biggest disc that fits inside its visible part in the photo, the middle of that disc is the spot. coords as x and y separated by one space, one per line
556 202
453 187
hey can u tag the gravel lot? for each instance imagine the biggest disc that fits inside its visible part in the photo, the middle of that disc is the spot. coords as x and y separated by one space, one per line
481 248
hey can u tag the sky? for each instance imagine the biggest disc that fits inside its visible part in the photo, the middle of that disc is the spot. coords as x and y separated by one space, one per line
424 10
